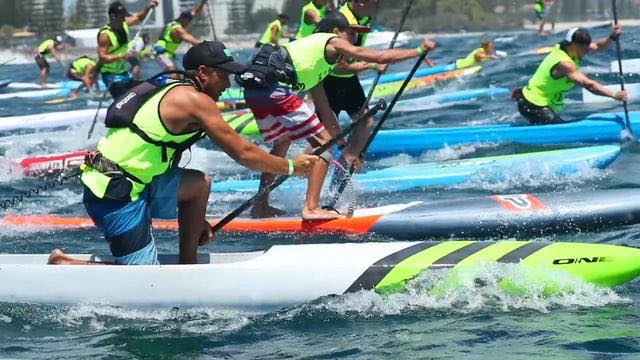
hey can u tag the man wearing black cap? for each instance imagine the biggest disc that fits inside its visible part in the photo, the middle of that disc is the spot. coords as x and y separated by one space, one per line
558 73
113 47
142 184
173 34
284 117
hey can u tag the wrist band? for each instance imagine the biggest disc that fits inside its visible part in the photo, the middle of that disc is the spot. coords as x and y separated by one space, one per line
373 67
421 51
290 162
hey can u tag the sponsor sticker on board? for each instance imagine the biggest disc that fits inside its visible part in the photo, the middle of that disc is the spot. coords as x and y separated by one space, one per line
519 202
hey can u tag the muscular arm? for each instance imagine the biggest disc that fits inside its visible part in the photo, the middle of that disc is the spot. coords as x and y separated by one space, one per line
344 67
54 53
311 17
198 9
132 20
88 79
569 70
341 46
187 103
183 35
274 34
103 50
603 43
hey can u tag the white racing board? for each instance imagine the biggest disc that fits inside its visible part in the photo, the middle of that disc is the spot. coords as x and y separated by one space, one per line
632 88
628 66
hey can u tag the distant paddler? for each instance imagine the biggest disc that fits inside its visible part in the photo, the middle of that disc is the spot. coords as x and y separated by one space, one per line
83 69
113 47
558 73
274 31
173 34
485 52
139 48
540 7
273 93
46 49
312 13
133 175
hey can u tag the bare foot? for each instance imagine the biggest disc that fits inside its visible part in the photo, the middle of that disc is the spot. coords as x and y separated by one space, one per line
320 214
266 211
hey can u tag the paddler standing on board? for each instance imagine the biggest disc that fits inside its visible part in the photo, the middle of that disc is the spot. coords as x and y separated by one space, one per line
543 97
48 48
173 34
133 175
312 13
113 47
82 69
272 93
484 53
275 31
539 8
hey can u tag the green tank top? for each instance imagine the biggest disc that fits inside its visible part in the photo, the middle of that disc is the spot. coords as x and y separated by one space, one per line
543 89
266 37
135 155
43 48
308 29
79 65
307 57
166 42
362 37
468 61
539 6
119 66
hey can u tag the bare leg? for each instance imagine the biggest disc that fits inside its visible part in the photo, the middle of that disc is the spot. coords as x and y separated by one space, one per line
58 257
312 209
360 135
541 28
44 75
193 194
261 208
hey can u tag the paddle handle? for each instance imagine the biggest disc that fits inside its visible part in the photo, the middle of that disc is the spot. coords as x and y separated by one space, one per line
380 105
620 72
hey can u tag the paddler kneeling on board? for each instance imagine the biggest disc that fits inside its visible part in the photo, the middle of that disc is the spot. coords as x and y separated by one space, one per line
133 175
273 83
484 53
559 72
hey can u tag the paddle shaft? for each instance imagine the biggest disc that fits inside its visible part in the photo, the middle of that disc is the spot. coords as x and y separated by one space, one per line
144 22
380 105
8 61
213 28
391 46
620 72
384 117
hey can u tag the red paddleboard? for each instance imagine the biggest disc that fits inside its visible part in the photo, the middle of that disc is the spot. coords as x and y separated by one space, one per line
51 164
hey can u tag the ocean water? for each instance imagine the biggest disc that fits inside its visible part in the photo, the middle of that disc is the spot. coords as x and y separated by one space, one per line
586 322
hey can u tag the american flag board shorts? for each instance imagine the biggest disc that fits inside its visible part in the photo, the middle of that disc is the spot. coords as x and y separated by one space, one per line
280 111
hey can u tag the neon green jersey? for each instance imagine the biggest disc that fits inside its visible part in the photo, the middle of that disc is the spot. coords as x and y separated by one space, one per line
166 42
308 29
266 36
543 89
117 48
308 58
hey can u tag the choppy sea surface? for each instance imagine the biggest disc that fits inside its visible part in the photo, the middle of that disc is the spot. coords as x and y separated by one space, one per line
471 323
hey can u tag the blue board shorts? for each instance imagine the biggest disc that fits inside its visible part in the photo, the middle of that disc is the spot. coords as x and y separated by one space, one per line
127 225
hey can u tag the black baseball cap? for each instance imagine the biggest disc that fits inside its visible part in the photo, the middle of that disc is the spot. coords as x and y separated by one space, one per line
117 8
337 20
186 15
211 54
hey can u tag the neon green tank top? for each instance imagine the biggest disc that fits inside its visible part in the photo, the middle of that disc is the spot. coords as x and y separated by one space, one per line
307 57
79 65
43 48
362 37
266 37
308 29
166 42
468 61
543 89
116 48
136 156
539 6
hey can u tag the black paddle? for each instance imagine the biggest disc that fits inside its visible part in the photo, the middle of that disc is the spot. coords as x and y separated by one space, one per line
620 73
380 105
95 117
347 178
213 28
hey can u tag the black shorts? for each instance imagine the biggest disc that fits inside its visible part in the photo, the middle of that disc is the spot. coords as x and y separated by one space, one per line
42 63
344 94
133 61
536 115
